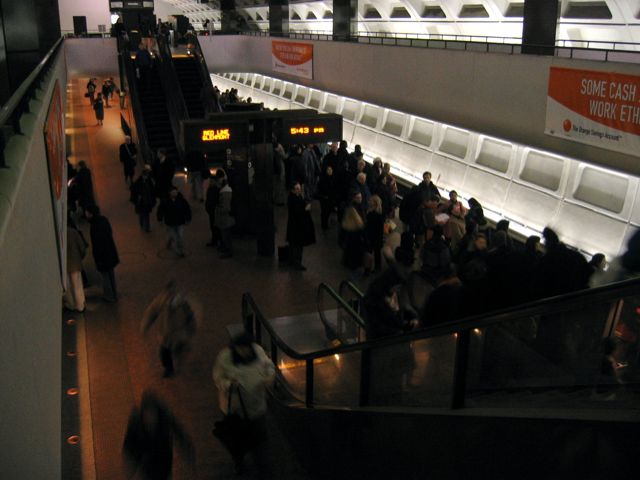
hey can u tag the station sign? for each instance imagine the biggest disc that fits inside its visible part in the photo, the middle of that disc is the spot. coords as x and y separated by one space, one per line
208 136
320 128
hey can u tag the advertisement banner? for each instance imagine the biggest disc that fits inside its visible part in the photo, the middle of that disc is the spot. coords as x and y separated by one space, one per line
292 58
55 145
597 108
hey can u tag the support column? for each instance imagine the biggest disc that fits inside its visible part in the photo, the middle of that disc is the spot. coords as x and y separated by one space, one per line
345 19
228 9
279 18
539 26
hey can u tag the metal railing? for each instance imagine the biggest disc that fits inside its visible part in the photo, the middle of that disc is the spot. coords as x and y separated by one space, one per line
605 301
349 326
18 103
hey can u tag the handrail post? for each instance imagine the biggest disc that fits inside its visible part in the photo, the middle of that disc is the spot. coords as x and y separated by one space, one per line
365 377
309 383
460 370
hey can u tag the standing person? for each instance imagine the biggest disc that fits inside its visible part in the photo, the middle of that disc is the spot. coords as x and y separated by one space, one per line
177 315
241 373
91 90
175 212
148 442
143 66
355 239
98 108
104 251
84 185
225 216
76 251
195 167
300 231
163 172
143 197
328 196
213 196
106 93
128 158
375 229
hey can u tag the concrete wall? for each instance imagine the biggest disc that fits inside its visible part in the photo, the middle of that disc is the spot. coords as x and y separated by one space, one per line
30 303
96 11
496 94
91 56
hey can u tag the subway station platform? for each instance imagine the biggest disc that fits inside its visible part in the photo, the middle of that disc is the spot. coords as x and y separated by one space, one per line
116 362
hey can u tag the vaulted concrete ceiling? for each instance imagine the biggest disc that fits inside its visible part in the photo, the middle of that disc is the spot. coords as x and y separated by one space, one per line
603 20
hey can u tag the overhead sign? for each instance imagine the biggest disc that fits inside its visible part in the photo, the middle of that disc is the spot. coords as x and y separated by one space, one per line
313 129
292 58
596 108
206 136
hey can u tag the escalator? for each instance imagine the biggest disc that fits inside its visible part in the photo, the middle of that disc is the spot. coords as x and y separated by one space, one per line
156 117
550 389
187 69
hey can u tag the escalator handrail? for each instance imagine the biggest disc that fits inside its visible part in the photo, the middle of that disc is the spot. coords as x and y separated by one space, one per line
349 285
539 307
202 62
323 287
134 98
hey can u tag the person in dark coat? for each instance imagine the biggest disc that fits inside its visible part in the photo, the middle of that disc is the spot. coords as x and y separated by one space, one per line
104 251
128 157
374 228
98 108
213 197
328 196
300 231
355 241
163 172
148 443
84 185
175 213
428 189
143 197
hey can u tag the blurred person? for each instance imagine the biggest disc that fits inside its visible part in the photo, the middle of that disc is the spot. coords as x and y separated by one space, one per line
76 251
148 444
106 93
128 158
195 167
375 230
163 172
621 268
98 108
241 374
300 231
83 184
211 203
175 213
355 242
225 216
143 197
328 196
176 315
91 90
104 251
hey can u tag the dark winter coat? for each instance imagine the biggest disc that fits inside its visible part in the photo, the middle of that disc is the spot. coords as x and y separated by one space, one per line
143 194
300 230
163 175
103 247
174 212
84 186
128 158
375 229
213 195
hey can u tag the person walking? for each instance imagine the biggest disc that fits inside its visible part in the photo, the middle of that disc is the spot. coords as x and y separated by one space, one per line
128 158
225 217
213 196
106 93
163 172
195 168
300 231
104 251
143 197
91 90
84 186
241 374
98 107
175 213
76 251
148 443
176 315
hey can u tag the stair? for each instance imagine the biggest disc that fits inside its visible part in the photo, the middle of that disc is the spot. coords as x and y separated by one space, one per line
156 118
190 80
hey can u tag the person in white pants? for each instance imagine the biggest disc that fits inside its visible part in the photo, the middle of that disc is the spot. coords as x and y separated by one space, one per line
76 250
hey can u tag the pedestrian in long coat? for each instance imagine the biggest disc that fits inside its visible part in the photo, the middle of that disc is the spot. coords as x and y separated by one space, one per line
300 229
104 251
128 158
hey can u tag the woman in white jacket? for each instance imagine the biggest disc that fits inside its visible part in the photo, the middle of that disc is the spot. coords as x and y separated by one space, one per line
241 373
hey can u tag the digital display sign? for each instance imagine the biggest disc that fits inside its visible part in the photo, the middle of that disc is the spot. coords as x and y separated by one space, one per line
313 129
216 134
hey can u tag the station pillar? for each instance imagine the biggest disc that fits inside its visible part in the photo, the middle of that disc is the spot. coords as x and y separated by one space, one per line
279 18
345 20
228 17
539 26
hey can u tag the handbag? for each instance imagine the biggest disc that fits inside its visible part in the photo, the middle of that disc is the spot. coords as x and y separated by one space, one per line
234 431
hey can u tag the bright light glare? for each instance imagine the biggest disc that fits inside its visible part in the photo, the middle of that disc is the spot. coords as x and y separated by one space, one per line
114 18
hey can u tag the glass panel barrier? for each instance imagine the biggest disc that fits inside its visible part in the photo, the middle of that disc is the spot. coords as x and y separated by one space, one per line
549 360
341 322
337 379
293 374
417 374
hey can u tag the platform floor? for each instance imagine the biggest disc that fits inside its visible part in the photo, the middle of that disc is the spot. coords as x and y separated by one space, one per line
117 363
